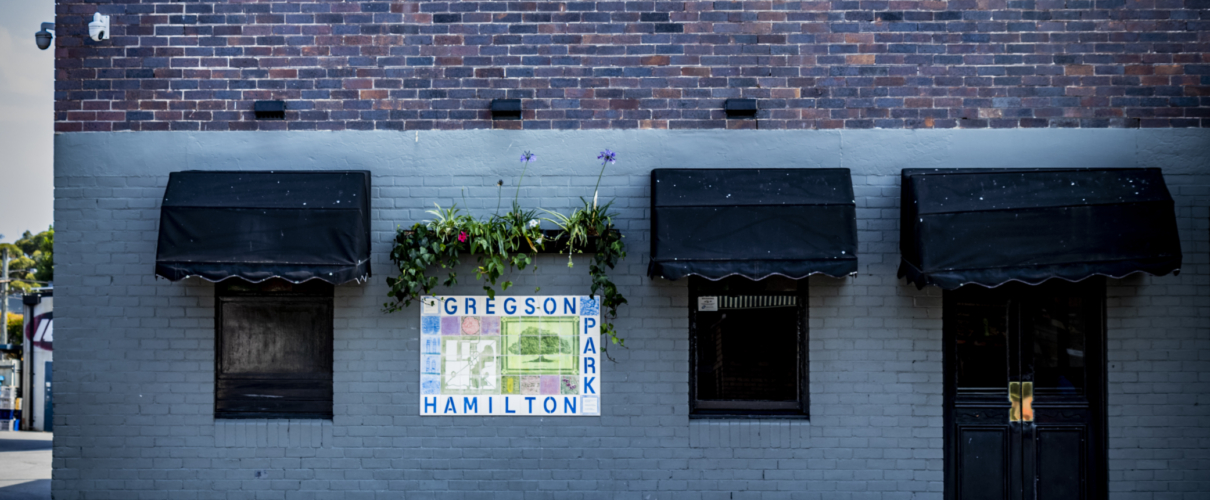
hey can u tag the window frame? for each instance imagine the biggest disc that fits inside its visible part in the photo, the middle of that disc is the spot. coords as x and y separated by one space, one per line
271 291
737 285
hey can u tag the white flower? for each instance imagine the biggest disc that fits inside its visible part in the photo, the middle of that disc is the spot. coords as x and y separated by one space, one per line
533 223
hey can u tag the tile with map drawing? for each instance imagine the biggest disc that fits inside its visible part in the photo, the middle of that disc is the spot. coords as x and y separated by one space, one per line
469 366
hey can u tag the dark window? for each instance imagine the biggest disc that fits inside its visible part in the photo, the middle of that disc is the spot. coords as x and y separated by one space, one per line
748 347
980 323
1017 332
273 350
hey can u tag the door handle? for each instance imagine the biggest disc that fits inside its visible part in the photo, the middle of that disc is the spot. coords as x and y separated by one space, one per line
1014 397
1021 396
1027 401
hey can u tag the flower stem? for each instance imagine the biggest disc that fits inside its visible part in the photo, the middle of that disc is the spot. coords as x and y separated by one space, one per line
598 186
518 194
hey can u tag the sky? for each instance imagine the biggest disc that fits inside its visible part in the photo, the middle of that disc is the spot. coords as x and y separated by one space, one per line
26 119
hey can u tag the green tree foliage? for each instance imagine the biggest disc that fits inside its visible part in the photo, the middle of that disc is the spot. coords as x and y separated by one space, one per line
44 267
16 325
31 260
531 343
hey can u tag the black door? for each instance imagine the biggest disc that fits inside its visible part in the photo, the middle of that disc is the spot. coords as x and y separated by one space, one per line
48 406
1025 392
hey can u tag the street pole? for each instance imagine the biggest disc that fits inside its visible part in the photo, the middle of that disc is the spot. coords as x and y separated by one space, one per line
4 307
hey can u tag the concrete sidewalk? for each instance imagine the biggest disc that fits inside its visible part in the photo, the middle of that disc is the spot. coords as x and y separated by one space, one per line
25 465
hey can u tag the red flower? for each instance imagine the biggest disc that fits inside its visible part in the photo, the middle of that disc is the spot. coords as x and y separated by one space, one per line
462 237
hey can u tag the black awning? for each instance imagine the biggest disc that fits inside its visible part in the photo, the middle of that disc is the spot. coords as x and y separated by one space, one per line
989 227
259 225
714 223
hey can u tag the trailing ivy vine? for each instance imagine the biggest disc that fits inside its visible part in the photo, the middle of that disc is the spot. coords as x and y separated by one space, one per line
508 242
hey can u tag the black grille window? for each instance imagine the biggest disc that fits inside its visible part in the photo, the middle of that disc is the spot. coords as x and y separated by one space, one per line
748 347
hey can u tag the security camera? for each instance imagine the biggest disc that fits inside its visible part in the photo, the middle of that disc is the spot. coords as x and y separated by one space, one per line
45 35
98 29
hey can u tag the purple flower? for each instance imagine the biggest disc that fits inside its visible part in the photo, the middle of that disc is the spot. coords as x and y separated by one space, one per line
607 155
528 157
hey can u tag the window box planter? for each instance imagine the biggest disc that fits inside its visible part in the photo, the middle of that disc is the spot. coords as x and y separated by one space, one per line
555 241
498 245
509 241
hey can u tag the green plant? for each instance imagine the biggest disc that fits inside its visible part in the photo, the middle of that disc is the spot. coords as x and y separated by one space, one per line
499 243
15 328
596 221
507 242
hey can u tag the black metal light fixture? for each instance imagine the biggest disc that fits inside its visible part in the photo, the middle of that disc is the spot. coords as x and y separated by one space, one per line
45 35
506 109
740 108
269 110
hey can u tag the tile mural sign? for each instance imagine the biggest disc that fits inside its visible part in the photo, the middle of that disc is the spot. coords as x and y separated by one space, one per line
518 355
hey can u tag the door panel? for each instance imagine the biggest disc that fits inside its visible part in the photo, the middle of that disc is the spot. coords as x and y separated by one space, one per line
983 456
1060 462
979 365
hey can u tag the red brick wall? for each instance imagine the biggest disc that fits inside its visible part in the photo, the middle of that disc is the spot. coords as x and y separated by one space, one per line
199 65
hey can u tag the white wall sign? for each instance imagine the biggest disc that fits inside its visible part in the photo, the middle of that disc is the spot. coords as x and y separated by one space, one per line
516 355
8 398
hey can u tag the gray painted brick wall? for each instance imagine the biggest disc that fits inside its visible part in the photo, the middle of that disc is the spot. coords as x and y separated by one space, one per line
135 353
